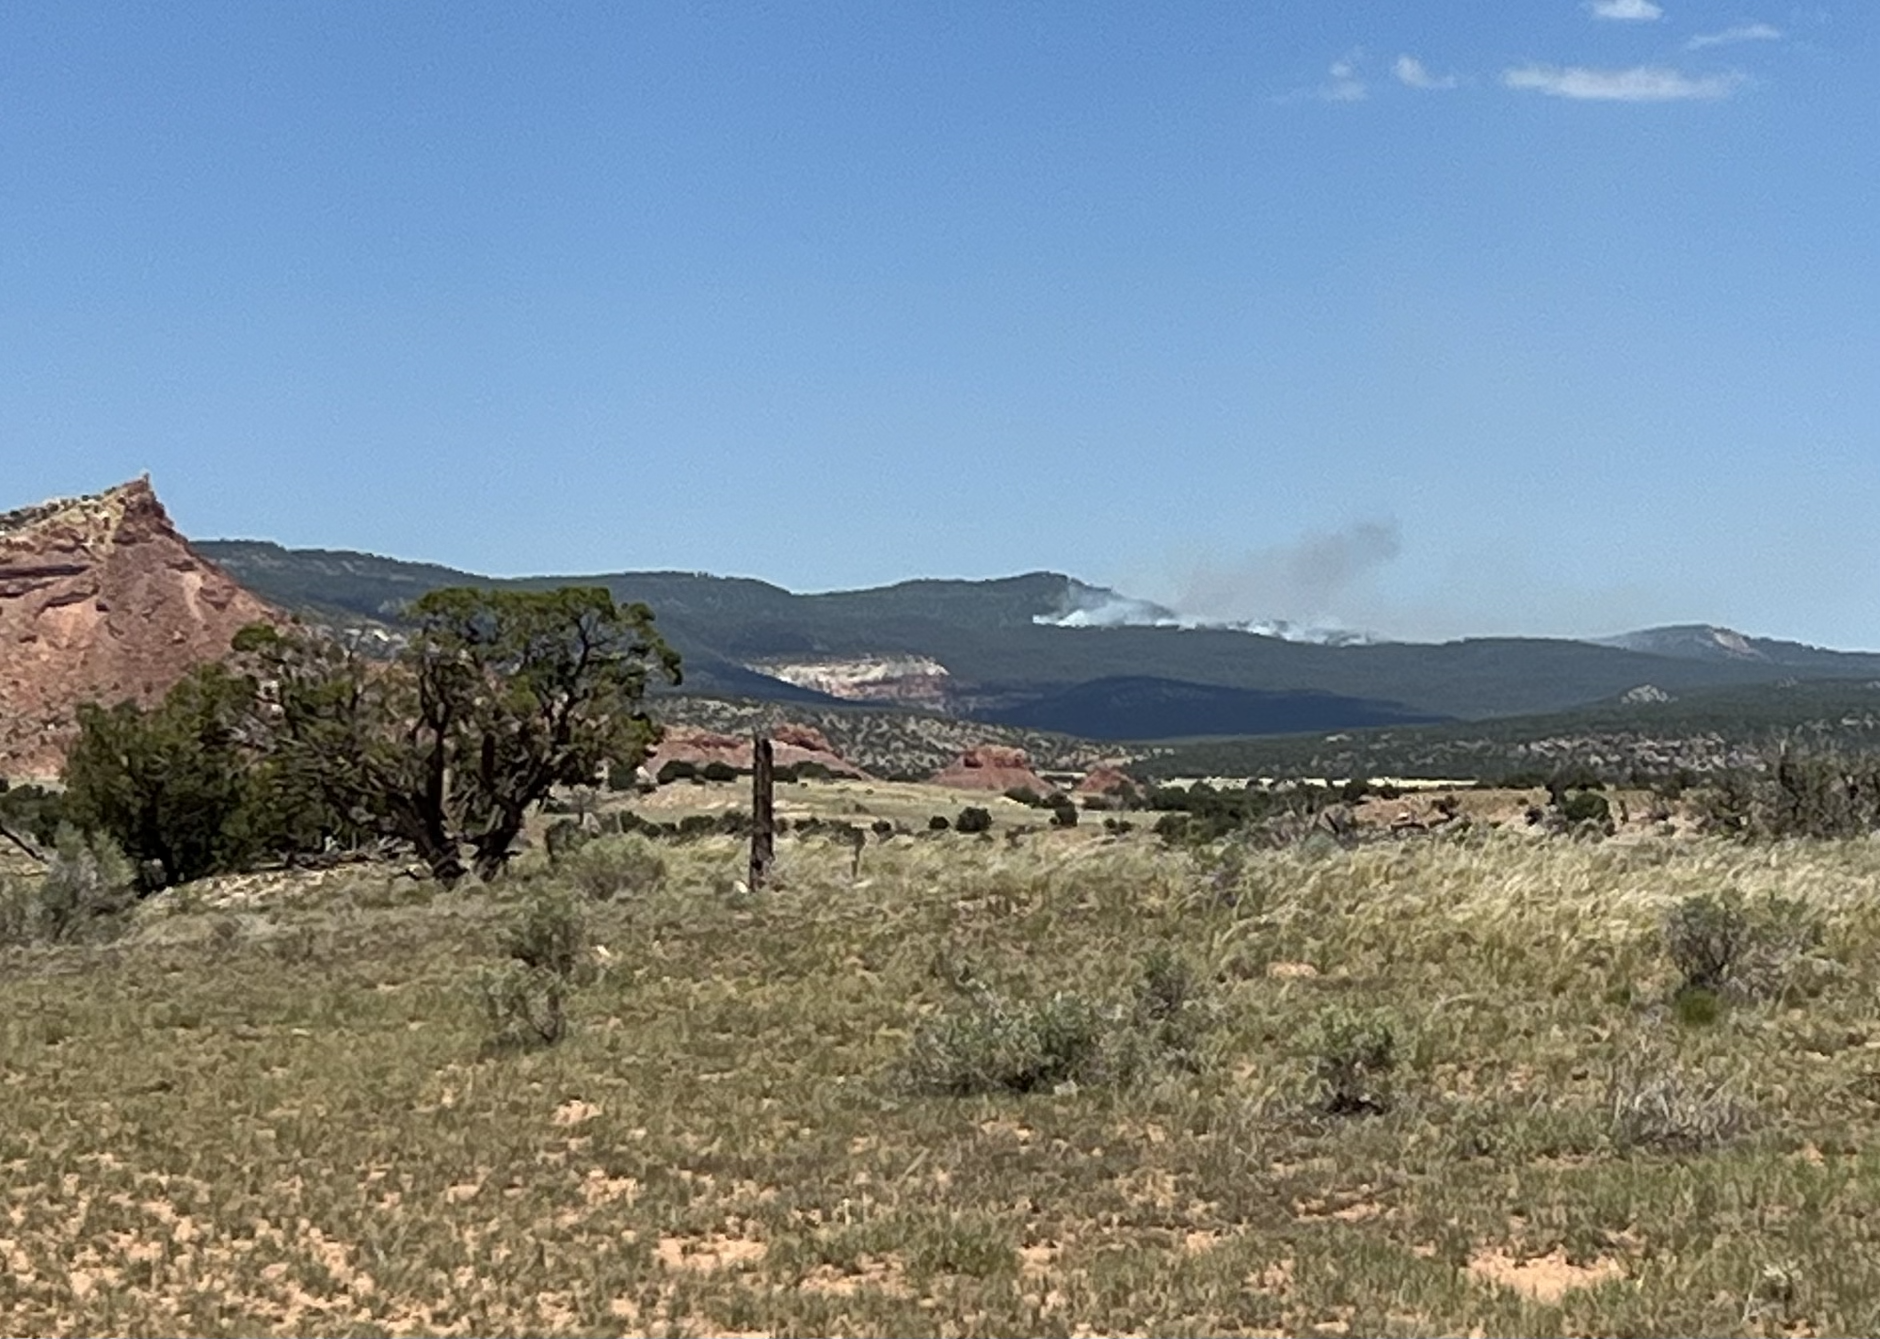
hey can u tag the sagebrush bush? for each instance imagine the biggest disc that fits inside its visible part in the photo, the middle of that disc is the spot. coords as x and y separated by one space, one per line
1704 937
1353 1059
1172 1006
87 886
545 945
1653 1104
995 1044
1726 947
610 867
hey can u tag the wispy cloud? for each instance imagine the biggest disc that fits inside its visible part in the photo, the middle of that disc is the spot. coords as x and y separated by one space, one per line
1347 84
1642 83
1742 32
1627 11
1412 73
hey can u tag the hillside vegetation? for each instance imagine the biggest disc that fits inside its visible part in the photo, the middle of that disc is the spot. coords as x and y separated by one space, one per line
1702 731
1055 1086
1004 667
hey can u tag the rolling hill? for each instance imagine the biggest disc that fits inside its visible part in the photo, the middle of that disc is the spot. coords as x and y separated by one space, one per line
1001 663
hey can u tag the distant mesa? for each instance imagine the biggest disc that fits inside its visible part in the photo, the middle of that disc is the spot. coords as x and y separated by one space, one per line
791 746
994 767
101 600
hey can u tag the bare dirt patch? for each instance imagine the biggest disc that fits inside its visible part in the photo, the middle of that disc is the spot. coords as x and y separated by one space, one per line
709 1253
1542 1278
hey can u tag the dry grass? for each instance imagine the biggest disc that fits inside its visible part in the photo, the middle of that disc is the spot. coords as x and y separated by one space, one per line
271 1108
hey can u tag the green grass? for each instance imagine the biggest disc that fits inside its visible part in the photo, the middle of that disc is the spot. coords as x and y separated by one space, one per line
279 1111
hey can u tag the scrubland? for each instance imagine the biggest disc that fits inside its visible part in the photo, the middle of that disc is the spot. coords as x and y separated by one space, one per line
1469 1083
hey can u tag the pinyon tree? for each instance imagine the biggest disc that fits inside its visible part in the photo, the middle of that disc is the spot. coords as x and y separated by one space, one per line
497 697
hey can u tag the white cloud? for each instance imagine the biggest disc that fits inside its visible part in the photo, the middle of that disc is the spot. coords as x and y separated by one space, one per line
1347 85
1629 11
1412 73
1642 83
1743 32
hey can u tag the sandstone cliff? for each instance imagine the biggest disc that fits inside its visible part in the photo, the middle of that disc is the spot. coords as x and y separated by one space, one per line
100 600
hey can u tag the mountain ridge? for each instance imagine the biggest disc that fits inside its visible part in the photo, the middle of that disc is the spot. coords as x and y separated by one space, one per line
1003 646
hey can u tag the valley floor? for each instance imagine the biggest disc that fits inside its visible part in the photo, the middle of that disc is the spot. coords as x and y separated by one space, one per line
969 1086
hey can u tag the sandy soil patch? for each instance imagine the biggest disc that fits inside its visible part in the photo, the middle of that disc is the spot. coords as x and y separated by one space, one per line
1544 1278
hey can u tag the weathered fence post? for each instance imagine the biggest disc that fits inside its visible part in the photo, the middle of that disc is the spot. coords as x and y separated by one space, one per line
763 814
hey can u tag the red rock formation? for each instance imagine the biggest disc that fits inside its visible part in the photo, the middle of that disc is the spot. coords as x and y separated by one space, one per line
791 746
1106 780
100 600
994 767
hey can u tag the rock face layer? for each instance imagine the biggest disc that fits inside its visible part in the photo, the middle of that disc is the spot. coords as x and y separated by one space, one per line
101 600
994 767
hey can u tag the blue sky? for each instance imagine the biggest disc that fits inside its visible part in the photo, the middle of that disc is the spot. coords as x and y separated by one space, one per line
1439 319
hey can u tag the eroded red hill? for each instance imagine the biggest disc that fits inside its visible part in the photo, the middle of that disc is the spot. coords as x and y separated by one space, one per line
100 600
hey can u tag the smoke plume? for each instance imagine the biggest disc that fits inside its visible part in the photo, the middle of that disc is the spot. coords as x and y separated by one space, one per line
1300 582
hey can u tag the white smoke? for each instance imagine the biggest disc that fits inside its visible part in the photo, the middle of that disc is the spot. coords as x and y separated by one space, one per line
1286 591
1091 607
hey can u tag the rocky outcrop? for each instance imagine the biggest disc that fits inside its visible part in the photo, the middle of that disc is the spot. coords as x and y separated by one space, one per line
1107 780
100 600
908 681
790 746
994 767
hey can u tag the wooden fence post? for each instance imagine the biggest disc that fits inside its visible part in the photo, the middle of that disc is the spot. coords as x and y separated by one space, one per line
763 813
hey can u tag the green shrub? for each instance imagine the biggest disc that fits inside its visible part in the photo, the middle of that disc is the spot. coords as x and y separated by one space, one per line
1025 795
1353 1058
719 771
973 819
1171 828
1697 1007
610 867
87 886
939 823
1723 946
525 998
565 836
1586 806
677 769
1063 812
82 894
994 1044
1171 1005
166 784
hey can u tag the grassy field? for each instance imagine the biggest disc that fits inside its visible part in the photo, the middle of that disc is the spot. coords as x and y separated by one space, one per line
1059 1086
